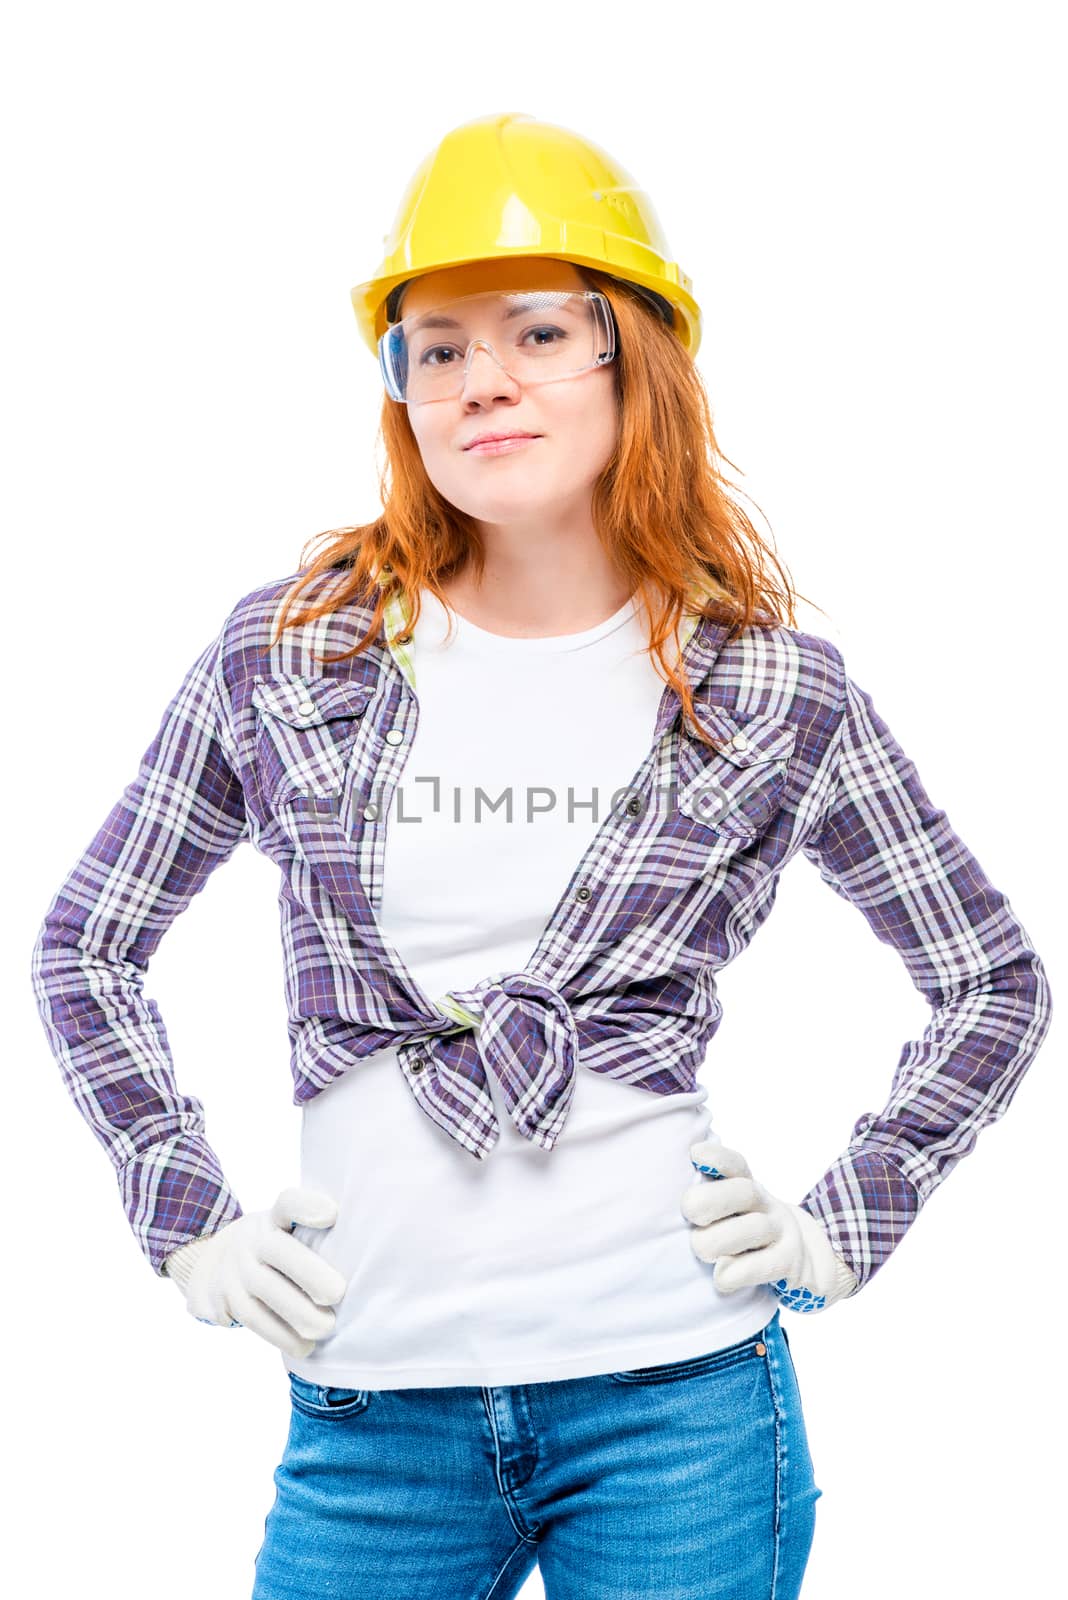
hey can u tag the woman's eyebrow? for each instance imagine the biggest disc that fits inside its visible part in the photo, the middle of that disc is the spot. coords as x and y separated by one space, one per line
435 319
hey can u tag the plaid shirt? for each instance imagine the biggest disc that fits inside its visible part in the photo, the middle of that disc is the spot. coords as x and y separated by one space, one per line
303 758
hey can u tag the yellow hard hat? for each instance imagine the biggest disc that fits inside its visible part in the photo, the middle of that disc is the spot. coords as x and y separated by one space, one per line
509 185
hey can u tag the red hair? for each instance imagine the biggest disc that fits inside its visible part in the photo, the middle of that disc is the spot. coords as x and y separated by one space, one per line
661 508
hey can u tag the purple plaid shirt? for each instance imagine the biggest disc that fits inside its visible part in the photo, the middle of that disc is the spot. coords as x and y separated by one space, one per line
303 759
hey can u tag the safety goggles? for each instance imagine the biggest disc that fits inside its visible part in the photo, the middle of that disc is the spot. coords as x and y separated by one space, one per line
535 336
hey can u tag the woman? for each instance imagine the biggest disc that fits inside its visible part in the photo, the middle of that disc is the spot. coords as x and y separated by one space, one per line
528 1302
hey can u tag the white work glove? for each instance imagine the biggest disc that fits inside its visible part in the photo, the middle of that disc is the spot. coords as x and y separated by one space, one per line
254 1274
755 1238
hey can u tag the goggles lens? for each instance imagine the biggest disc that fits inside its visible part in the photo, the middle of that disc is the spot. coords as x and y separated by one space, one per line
536 336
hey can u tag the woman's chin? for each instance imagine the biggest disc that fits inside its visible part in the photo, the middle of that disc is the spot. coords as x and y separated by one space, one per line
519 505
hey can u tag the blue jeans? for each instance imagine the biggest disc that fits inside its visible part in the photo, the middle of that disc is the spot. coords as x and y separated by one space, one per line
690 1480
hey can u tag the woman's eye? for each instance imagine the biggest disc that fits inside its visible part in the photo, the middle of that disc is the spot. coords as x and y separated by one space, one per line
554 332
441 355
435 349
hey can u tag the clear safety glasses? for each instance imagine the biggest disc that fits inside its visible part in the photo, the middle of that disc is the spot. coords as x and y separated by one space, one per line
535 336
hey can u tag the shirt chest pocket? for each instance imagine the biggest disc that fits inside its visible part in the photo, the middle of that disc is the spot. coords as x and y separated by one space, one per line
736 786
306 731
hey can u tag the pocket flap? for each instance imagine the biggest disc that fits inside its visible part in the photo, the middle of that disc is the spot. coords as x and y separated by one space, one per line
745 741
305 702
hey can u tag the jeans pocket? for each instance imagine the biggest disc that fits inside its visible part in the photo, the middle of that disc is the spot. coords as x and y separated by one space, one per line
732 1355
325 1400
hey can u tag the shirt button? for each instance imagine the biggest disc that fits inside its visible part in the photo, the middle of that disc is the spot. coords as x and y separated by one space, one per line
740 742
418 1063
634 806
306 707
583 893
370 812
395 735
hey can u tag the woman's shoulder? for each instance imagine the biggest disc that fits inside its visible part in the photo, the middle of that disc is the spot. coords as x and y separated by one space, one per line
778 663
768 679
251 622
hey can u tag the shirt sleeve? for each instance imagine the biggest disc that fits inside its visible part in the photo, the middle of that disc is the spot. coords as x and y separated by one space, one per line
180 818
883 845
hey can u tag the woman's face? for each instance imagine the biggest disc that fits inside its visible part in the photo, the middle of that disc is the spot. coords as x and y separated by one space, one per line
576 419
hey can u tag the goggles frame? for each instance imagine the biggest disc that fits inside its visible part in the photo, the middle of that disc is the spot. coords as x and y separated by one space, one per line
392 351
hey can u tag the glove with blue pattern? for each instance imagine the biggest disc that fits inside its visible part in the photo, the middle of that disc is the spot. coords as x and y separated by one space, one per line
755 1238
283 1289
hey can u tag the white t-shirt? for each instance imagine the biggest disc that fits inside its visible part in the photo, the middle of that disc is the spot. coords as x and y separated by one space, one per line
530 1264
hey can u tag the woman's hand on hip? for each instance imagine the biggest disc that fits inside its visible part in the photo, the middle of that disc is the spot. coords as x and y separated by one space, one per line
252 1273
753 1237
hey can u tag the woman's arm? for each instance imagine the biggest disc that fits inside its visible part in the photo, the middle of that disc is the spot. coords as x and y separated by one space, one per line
886 848
181 817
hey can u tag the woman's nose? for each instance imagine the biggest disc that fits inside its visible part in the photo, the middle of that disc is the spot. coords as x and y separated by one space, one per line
483 370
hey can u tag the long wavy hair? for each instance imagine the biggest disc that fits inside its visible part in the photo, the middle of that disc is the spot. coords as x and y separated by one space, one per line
661 507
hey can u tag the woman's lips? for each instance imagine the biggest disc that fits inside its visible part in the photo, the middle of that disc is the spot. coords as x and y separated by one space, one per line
500 447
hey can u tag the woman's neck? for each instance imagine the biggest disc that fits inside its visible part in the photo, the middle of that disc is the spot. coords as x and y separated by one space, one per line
540 605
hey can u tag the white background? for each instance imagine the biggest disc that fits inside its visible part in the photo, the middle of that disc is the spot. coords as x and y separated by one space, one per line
868 199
